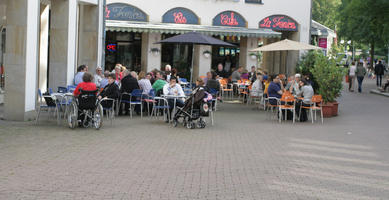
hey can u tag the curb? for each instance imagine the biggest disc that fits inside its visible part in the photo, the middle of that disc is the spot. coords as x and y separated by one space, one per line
375 91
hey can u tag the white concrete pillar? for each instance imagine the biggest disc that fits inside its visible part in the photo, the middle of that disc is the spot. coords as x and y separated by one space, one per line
63 40
43 47
88 34
201 64
245 60
150 59
21 59
101 39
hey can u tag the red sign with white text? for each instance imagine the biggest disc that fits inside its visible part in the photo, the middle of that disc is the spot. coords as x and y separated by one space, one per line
323 43
279 23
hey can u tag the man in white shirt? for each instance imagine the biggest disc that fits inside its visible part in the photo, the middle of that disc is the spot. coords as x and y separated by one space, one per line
174 89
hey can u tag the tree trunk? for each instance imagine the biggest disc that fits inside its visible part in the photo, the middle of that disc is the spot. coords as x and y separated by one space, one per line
372 55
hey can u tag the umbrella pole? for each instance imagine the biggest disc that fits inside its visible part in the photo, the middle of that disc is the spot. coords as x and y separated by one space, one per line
191 68
286 64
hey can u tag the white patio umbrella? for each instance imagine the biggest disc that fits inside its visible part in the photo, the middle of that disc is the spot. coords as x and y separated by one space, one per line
286 45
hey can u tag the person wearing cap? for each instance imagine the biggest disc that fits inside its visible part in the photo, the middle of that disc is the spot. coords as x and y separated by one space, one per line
294 87
98 76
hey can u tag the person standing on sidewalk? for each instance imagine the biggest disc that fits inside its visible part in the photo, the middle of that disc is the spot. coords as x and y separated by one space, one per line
360 73
351 76
379 71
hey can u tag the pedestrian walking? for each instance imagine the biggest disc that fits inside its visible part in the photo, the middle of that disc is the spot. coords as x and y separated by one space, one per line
379 71
360 73
351 76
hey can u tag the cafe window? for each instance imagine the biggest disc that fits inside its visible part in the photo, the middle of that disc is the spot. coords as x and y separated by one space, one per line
124 48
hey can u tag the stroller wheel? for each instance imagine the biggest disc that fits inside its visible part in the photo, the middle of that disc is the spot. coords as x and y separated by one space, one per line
190 125
175 122
201 124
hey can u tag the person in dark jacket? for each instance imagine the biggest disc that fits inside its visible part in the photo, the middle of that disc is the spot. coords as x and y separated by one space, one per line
379 71
110 91
129 83
253 74
221 72
213 83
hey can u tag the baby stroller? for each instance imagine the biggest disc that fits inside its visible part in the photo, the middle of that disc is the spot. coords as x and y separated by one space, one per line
86 111
196 107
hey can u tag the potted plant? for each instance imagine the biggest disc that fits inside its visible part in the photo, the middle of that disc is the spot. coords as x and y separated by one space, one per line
329 78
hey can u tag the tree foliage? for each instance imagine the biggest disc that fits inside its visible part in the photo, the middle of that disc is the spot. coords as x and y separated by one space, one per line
325 12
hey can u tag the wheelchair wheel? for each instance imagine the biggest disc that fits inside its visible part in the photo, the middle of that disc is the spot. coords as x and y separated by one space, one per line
98 117
72 116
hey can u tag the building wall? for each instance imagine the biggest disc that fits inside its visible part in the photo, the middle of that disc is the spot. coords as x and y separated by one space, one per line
206 10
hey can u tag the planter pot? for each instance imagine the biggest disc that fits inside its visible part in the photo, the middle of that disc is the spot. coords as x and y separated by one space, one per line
335 108
327 110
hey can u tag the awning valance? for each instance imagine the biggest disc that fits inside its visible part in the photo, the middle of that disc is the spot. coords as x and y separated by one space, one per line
138 27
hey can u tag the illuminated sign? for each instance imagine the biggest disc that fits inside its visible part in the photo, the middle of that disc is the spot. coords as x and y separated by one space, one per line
111 47
124 12
180 16
229 18
279 23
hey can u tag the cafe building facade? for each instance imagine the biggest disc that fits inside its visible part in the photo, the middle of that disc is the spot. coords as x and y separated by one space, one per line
133 28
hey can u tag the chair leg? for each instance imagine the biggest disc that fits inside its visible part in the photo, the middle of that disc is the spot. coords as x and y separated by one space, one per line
131 110
37 116
294 115
321 113
311 114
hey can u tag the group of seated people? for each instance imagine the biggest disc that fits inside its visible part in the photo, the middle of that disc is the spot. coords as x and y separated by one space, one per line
121 81
296 86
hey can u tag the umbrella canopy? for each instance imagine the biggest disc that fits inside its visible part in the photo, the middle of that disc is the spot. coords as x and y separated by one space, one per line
286 45
195 38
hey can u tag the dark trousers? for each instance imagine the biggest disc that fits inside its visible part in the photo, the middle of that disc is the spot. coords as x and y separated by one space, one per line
360 80
379 80
303 115
179 103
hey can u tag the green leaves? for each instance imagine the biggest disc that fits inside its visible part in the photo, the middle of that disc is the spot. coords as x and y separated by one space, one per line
328 76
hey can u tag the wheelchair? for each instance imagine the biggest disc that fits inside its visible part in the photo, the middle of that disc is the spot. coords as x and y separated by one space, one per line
86 111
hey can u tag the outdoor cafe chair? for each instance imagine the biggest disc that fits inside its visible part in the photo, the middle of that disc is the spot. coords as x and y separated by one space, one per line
316 105
71 88
137 93
288 102
50 103
224 89
270 107
160 104
149 99
109 109
215 95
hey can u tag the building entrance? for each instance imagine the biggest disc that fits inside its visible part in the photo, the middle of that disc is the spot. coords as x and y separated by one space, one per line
228 56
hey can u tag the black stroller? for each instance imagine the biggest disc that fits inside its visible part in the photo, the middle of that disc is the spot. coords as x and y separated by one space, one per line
86 110
196 107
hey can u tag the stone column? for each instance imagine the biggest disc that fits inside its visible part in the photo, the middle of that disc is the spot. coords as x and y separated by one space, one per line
151 60
245 60
63 32
201 64
43 46
21 59
87 36
268 57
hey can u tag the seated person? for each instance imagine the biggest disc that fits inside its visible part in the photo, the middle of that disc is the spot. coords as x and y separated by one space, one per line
275 89
257 87
221 73
212 83
128 84
176 90
235 76
110 91
244 75
159 83
104 81
385 86
293 86
306 91
266 83
86 85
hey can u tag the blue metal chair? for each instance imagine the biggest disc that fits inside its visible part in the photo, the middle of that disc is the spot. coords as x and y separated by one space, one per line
62 89
71 88
137 94
110 110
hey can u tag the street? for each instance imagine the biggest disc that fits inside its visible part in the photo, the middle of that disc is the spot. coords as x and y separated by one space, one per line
245 155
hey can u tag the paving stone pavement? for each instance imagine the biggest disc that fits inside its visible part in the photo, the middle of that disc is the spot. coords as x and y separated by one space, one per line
245 155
